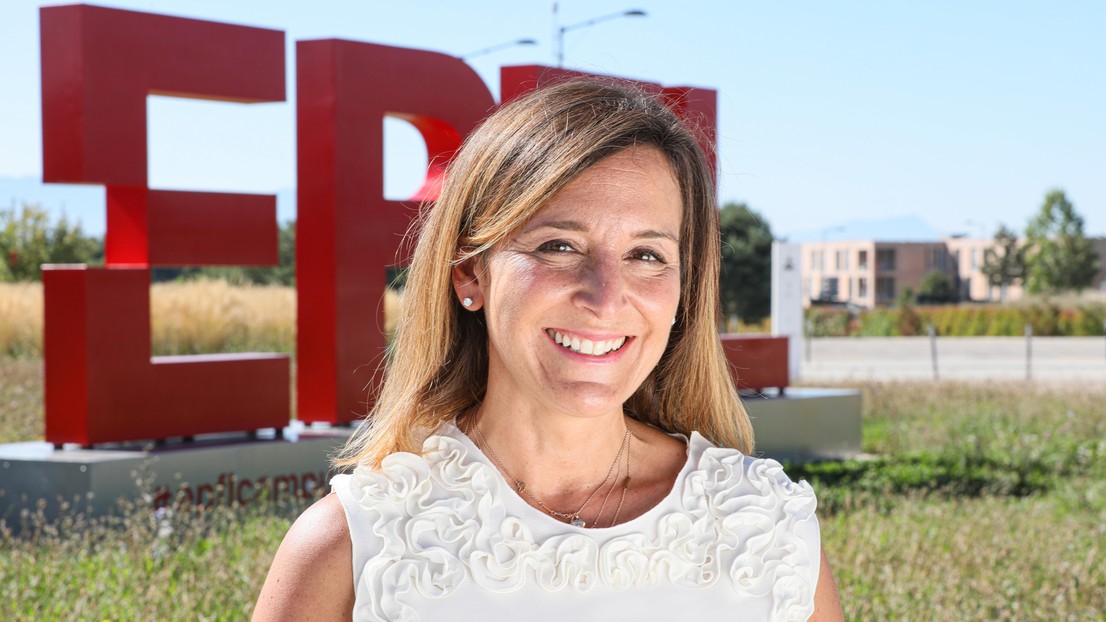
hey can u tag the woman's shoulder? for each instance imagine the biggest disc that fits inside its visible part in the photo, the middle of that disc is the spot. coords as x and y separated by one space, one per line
312 573
727 472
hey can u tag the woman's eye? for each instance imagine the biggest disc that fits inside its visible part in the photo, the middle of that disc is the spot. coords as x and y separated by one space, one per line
648 255
557 246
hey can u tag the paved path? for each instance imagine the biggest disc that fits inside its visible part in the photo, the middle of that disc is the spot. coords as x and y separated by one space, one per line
1077 360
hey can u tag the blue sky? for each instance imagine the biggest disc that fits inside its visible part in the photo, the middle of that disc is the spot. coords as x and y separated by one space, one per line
960 115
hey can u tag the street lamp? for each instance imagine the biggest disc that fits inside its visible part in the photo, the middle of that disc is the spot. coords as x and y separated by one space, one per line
499 46
591 22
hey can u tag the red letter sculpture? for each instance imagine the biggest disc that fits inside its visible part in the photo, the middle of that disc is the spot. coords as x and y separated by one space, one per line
98 66
347 234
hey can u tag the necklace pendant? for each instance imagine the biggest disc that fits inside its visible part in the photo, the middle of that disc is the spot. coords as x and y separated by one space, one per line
577 522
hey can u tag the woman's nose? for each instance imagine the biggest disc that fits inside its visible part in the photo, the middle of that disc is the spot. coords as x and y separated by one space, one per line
602 288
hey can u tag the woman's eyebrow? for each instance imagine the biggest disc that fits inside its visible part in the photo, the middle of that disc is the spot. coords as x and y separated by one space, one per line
565 225
652 234
575 225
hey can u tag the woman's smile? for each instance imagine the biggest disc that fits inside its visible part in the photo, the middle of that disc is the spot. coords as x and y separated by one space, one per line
593 346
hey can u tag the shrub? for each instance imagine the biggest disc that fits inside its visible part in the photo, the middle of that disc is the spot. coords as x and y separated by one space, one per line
1073 318
28 239
877 323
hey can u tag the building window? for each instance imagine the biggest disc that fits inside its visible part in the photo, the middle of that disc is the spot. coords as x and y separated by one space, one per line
885 260
829 288
975 258
862 260
862 287
841 260
937 258
885 288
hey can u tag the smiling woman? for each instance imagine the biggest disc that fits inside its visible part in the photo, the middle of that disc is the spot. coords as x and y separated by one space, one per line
598 266
558 436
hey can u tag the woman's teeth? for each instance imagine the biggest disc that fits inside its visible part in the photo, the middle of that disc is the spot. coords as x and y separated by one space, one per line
586 346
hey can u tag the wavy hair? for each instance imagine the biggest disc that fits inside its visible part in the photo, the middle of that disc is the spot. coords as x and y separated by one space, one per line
506 170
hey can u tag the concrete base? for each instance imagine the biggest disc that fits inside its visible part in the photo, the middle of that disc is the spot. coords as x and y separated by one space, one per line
802 425
216 469
806 424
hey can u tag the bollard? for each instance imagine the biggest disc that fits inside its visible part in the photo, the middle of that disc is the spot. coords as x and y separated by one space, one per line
1028 351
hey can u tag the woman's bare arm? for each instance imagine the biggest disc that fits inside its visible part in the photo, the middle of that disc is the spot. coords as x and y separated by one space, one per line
827 604
312 575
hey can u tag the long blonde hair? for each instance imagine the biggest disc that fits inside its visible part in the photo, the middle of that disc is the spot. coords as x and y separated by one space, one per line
507 169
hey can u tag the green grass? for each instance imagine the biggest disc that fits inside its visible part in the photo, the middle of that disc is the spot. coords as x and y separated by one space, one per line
980 502
141 565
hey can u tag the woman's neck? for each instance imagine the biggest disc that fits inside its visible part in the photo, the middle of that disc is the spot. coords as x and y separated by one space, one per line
560 458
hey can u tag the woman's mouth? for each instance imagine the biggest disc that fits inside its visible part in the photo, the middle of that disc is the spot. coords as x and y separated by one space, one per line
584 345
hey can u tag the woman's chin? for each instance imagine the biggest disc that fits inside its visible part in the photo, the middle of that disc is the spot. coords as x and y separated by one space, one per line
590 399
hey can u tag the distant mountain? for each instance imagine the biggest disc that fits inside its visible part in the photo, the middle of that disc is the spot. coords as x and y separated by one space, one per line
85 204
908 228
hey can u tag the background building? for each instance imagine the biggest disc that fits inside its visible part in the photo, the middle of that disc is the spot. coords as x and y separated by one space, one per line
869 273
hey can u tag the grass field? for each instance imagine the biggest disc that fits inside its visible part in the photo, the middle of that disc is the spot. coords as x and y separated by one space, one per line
187 317
983 502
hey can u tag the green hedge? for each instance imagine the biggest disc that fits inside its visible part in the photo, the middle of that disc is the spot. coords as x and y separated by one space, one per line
1047 319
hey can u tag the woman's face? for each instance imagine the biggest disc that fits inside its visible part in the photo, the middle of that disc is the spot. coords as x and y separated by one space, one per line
579 302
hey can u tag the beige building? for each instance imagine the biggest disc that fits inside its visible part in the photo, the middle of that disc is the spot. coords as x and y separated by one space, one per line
870 274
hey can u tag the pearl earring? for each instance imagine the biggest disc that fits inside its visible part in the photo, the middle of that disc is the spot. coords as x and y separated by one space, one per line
467 302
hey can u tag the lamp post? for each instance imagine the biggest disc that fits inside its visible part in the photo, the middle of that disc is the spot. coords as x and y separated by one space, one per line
499 46
591 22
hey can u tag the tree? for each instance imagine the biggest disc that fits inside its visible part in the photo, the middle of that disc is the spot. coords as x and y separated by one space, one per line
1059 256
29 239
746 280
1004 263
937 288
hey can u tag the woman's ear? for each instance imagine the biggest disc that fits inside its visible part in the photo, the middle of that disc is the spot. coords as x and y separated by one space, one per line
467 284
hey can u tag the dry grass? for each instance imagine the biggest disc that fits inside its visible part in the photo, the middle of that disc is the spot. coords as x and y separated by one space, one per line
191 317
21 400
1009 416
204 316
21 319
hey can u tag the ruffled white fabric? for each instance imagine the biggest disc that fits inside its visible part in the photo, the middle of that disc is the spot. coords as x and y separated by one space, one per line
426 527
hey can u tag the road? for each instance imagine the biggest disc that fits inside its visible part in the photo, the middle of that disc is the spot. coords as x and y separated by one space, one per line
1053 359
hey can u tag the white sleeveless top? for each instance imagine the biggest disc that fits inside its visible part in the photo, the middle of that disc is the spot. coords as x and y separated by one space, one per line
443 536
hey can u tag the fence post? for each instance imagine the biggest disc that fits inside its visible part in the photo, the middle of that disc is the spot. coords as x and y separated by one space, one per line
808 327
933 348
1028 351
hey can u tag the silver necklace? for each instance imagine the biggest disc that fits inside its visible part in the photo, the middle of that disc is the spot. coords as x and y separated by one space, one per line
573 518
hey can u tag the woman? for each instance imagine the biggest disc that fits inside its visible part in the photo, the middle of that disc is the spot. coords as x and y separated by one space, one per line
558 436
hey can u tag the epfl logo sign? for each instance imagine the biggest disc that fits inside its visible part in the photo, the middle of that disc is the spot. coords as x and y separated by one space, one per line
98 66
